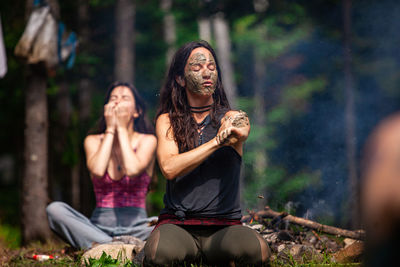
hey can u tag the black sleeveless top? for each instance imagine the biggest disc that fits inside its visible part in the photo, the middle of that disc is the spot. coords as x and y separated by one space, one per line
210 190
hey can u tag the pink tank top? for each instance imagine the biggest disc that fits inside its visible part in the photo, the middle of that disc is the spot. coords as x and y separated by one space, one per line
126 192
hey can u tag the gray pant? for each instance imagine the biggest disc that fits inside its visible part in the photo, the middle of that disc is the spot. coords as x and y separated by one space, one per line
80 232
214 245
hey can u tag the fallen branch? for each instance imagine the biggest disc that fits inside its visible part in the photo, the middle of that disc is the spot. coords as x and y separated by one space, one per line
269 213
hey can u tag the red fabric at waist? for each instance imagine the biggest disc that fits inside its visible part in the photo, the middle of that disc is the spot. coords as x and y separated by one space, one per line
173 219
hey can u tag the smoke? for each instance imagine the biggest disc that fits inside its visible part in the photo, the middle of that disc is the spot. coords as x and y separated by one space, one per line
315 140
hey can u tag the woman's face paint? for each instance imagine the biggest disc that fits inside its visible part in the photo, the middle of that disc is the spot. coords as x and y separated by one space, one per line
201 73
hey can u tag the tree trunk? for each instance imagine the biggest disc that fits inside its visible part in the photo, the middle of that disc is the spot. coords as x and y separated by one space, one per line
259 121
80 180
124 41
169 29
204 24
59 171
261 160
34 184
35 179
350 117
223 43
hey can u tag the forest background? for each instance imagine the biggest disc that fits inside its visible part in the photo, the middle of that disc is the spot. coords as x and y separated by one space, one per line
315 77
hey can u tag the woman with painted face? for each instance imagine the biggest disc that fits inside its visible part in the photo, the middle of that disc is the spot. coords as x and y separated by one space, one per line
120 157
200 147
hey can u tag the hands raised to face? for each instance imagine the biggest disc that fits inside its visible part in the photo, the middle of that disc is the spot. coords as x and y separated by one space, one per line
109 115
121 108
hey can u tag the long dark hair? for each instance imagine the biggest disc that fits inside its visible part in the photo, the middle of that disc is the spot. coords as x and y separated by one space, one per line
173 99
141 124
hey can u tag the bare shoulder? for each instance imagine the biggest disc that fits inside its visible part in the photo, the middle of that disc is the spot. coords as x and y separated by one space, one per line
163 120
163 126
148 138
145 141
93 139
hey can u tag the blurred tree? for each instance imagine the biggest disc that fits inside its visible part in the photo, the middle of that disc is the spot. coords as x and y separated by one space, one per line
259 81
351 143
223 50
34 184
205 28
204 22
124 69
169 29
59 124
80 180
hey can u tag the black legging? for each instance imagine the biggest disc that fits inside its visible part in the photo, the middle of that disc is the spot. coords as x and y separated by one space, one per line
171 244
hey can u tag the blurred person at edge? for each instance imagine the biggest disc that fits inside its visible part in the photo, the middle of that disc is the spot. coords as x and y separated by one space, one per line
120 156
380 194
199 150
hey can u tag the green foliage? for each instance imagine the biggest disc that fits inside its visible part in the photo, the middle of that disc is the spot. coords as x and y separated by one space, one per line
287 37
156 201
294 101
327 262
107 261
52 87
10 235
101 3
277 187
270 39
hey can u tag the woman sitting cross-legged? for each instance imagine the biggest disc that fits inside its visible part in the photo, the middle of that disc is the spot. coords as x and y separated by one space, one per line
120 159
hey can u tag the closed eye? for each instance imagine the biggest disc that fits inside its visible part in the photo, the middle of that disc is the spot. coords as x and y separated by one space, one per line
196 67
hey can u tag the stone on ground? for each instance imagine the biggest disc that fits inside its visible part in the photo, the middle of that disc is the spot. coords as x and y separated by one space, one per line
124 248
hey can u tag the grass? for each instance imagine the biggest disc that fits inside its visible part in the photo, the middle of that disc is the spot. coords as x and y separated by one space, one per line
65 256
23 256
325 263
106 260
10 235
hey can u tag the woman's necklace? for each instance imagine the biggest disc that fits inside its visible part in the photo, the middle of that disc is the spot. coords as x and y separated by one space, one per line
200 109
200 128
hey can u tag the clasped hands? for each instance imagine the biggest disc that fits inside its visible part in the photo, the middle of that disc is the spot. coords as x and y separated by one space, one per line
117 115
233 129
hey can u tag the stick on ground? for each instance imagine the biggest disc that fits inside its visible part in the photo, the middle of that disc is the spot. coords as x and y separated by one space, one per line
269 213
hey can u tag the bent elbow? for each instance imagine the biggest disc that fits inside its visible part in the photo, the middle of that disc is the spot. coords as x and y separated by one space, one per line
132 173
168 174
168 169
98 173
